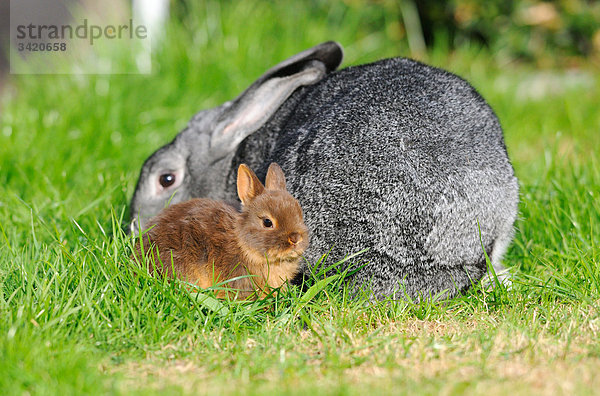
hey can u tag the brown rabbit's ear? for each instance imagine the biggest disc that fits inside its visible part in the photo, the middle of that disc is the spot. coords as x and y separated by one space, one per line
248 185
275 178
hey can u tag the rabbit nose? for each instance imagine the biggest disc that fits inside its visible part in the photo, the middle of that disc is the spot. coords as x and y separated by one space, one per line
294 238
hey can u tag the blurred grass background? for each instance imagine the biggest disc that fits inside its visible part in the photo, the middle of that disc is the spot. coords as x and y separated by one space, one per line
74 320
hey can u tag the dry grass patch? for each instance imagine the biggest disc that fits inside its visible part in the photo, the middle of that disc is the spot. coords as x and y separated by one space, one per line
445 357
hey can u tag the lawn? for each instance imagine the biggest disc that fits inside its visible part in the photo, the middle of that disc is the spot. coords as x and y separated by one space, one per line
76 320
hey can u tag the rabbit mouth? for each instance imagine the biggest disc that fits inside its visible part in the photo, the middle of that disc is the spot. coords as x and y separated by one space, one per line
293 254
290 254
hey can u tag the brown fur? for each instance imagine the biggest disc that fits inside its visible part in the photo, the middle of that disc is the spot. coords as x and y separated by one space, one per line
211 242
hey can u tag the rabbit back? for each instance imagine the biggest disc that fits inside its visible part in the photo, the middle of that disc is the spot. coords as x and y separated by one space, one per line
401 158
196 242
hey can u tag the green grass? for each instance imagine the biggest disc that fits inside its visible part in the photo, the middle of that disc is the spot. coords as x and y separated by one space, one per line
75 319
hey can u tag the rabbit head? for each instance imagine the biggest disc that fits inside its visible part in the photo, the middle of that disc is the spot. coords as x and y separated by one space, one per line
271 223
188 166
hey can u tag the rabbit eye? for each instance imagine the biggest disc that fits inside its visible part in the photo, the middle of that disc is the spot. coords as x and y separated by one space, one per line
267 223
166 180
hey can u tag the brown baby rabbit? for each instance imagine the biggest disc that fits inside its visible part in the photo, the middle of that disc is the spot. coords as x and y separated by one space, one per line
211 242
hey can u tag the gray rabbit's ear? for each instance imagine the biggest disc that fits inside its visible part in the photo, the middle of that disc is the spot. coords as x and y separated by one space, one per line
248 185
275 178
260 101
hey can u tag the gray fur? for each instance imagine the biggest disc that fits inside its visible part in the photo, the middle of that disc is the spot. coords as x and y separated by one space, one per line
395 156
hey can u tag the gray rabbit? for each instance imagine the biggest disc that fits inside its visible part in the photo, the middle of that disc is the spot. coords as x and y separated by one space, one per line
395 156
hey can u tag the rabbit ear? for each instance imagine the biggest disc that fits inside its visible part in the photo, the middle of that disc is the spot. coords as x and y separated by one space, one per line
275 178
260 101
248 185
